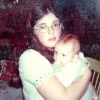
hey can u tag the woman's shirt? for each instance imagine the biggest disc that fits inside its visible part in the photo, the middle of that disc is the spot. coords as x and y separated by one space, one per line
34 69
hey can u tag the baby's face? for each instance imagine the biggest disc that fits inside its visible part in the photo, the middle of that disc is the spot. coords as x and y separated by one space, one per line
63 54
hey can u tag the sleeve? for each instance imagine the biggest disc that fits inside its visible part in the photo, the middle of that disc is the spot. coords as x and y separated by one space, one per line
34 67
81 65
84 60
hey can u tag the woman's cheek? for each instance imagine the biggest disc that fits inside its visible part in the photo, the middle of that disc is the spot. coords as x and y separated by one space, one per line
58 34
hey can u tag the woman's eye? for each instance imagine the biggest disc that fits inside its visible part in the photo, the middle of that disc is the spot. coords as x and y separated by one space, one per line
42 27
56 25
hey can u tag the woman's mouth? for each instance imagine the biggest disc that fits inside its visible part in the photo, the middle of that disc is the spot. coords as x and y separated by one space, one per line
52 39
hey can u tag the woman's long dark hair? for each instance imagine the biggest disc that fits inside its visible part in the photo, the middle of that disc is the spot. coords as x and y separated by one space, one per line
39 10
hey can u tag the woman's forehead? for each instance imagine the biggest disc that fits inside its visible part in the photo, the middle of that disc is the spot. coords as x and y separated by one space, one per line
48 19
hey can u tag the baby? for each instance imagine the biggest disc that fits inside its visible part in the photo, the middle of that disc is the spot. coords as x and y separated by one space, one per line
69 63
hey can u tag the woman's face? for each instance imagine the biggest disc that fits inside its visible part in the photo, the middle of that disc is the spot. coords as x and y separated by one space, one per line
48 30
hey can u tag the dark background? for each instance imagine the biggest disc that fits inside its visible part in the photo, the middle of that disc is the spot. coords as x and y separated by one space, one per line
80 17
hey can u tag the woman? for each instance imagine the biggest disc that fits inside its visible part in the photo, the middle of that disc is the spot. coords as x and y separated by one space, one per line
38 79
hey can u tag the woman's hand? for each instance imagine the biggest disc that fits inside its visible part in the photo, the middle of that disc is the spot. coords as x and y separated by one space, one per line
94 96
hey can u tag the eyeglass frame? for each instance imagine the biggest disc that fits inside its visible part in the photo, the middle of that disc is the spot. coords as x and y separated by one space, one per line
47 28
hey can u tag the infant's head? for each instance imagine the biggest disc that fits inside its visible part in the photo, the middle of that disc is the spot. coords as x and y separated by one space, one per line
67 50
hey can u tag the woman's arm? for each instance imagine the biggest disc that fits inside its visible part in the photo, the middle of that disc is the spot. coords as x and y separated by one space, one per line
52 89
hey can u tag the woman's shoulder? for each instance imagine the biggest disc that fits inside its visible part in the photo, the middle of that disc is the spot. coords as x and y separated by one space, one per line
31 57
30 52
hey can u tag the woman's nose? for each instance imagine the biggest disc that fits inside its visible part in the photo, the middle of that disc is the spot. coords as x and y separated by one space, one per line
50 30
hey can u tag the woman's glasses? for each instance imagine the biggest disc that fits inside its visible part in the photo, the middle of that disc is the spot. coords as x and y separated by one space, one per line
44 28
